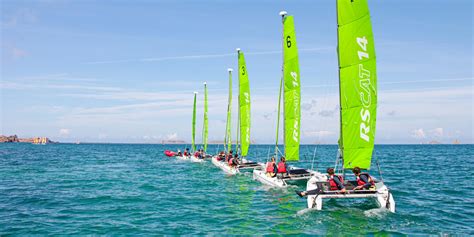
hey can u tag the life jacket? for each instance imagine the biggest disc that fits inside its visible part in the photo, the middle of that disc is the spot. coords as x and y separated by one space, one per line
186 153
231 160
281 167
333 184
361 182
270 167
196 154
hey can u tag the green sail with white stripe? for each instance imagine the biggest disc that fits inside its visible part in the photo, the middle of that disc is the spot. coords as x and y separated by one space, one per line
357 83
206 121
292 91
228 134
244 105
194 123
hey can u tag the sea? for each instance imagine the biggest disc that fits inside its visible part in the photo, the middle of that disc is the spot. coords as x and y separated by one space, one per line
134 189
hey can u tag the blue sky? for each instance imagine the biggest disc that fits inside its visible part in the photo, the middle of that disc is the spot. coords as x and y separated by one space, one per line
125 71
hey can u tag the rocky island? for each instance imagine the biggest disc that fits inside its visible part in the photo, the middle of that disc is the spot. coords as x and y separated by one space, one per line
33 140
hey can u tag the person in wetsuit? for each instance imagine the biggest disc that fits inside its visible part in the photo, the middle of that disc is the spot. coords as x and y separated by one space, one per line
336 182
364 180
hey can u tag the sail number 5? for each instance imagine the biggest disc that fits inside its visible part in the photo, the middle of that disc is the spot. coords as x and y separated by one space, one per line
364 84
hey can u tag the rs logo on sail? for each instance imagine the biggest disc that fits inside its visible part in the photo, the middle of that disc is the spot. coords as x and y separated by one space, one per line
364 84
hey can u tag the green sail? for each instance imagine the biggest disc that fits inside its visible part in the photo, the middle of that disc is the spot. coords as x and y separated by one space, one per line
292 90
194 123
206 122
228 134
244 105
357 83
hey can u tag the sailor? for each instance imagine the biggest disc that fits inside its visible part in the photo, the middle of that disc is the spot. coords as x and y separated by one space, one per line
196 154
271 168
179 152
186 152
234 161
229 156
221 156
281 168
336 182
364 180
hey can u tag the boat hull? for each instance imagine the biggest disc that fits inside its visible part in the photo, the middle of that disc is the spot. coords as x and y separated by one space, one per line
381 195
261 176
224 166
196 160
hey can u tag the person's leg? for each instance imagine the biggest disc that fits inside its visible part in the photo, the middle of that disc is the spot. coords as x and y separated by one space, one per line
305 193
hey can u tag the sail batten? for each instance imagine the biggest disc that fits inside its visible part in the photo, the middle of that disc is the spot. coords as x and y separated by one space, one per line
357 82
292 91
244 105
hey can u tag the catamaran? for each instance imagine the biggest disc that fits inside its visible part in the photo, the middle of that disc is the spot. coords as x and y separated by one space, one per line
193 136
358 105
204 128
216 160
243 124
290 87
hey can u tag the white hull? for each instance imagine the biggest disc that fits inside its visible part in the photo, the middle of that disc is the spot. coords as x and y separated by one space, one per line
382 195
224 166
261 176
182 157
197 160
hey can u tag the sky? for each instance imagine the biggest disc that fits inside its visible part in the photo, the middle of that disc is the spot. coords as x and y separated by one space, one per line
125 71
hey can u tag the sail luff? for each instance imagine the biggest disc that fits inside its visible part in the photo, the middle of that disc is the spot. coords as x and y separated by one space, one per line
358 83
194 124
292 91
244 105
205 122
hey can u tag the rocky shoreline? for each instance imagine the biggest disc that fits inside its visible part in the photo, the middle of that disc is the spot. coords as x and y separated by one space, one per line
34 140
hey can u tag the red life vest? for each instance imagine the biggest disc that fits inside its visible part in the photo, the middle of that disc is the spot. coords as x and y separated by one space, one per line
270 167
281 167
333 184
361 182
196 154
186 153
230 161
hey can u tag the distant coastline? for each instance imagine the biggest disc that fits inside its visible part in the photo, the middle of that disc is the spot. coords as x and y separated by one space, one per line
32 140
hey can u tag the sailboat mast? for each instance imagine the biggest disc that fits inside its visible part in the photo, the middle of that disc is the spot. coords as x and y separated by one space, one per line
238 108
194 124
340 142
228 137
278 117
205 120
283 14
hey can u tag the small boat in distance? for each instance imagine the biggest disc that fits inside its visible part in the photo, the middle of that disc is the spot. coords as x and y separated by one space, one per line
204 134
358 107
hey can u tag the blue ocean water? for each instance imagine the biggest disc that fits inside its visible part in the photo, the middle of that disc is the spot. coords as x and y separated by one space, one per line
134 189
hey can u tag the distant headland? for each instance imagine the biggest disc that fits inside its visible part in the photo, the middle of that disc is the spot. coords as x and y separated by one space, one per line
33 140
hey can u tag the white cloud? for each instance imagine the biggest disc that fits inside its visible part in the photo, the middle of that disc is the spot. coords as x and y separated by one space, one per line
437 132
418 133
64 131
172 137
317 133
